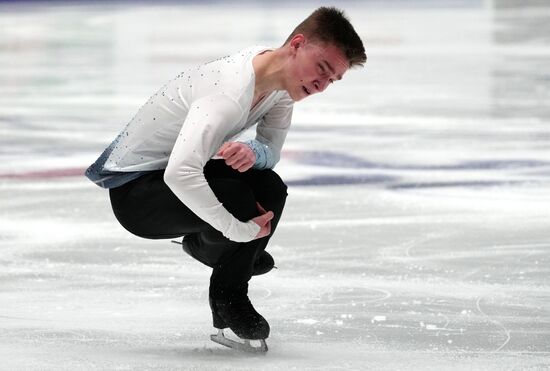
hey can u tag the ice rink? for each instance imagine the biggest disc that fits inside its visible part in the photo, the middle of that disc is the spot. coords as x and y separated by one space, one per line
417 229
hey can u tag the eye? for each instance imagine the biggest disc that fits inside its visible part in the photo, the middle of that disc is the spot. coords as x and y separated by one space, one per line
321 68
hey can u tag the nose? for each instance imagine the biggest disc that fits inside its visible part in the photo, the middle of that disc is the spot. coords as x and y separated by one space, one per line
321 84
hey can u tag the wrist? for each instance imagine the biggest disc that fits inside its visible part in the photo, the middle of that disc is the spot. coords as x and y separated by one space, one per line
259 149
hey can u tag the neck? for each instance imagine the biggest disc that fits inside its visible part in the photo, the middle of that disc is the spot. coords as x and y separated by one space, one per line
268 69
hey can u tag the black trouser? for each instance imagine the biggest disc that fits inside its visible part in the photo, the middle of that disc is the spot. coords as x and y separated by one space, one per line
148 208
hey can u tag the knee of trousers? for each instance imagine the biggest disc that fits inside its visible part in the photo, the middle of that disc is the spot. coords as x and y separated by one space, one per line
237 197
274 187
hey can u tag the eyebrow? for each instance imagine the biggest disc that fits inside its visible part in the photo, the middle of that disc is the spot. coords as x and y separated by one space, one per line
339 77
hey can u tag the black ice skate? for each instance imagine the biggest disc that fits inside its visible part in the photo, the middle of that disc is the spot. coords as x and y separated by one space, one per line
240 316
263 264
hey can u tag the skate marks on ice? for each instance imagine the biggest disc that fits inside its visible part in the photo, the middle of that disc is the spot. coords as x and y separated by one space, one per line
398 320
416 318
497 323
485 290
529 251
453 284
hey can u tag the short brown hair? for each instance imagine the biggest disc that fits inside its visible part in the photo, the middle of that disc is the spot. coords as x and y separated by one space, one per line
331 26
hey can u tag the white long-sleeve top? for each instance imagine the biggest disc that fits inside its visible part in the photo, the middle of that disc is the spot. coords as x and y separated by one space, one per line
183 125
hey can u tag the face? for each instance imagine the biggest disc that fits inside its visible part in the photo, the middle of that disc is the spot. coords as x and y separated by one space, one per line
313 68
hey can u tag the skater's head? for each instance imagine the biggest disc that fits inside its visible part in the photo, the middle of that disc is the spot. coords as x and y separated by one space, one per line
322 48
330 26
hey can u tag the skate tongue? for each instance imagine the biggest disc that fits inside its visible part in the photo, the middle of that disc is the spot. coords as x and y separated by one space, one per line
246 345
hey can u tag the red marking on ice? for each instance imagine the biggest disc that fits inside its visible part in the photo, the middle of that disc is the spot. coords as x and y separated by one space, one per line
45 174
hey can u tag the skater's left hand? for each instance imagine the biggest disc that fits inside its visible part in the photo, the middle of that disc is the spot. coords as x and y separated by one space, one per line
237 155
264 221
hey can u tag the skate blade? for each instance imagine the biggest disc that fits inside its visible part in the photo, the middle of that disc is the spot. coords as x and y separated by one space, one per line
244 347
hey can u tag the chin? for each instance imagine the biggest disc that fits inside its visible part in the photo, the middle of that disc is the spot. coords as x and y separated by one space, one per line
296 95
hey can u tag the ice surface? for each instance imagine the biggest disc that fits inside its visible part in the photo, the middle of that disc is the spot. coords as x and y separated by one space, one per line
416 230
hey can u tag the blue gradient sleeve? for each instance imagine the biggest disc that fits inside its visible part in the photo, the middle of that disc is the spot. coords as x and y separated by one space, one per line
264 155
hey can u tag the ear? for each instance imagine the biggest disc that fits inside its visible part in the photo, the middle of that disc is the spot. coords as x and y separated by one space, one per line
297 41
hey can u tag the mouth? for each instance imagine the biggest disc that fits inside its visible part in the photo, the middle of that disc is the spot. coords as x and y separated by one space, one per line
306 90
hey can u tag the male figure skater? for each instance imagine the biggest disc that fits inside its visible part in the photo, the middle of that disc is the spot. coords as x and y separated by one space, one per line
174 171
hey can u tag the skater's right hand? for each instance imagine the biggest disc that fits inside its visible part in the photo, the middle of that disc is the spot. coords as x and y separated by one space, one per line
264 221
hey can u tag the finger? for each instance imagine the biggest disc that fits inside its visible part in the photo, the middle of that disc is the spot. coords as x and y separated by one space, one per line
234 159
221 152
265 230
244 162
233 155
222 148
266 218
230 150
240 163
260 208
245 167
263 220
